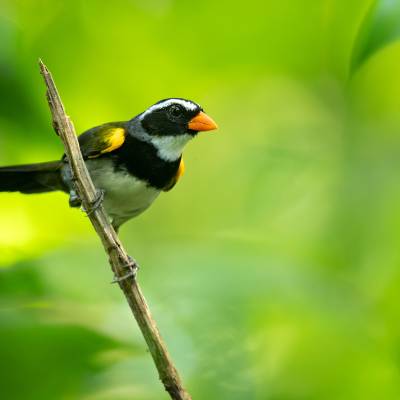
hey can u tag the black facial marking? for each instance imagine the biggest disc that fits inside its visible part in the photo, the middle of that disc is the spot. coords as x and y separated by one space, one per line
175 112
171 120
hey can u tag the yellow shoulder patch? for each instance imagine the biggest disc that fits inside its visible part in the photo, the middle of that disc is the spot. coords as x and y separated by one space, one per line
115 138
181 170
106 141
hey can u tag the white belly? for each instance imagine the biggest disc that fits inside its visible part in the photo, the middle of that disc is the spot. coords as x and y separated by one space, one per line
125 196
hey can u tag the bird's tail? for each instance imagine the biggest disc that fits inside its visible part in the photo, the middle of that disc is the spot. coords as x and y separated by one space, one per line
32 178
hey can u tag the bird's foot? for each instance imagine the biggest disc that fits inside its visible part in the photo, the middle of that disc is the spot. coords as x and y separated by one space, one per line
132 267
74 200
97 202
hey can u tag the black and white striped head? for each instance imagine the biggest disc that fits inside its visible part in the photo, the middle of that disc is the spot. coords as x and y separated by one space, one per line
170 124
174 117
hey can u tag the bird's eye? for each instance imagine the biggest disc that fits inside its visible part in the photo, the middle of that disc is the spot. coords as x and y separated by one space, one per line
175 111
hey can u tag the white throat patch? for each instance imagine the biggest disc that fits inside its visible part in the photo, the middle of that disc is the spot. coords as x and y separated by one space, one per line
170 148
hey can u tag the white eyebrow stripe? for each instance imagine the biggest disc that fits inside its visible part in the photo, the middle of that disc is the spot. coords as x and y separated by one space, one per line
186 104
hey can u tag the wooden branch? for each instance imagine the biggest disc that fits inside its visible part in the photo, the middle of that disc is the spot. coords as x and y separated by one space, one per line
118 258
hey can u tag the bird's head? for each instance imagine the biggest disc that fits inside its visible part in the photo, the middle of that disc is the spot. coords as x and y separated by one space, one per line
175 117
171 123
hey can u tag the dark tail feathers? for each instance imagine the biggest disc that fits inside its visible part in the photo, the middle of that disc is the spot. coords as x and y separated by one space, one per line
32 178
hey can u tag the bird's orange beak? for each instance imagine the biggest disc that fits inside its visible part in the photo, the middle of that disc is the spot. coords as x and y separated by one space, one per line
202 122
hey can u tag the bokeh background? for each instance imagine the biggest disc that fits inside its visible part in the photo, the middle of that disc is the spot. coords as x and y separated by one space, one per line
273 267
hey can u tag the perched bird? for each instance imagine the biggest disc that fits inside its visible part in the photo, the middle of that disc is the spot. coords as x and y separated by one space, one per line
130 162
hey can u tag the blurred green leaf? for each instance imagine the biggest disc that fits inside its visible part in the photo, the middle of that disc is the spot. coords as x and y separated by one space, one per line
380 28
48 362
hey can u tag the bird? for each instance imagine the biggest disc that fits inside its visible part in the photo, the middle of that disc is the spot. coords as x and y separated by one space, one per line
130 162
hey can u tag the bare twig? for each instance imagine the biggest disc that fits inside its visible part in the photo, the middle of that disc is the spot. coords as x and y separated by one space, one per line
118 257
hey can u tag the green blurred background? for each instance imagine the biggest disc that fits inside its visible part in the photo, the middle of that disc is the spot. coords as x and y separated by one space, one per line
273 268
